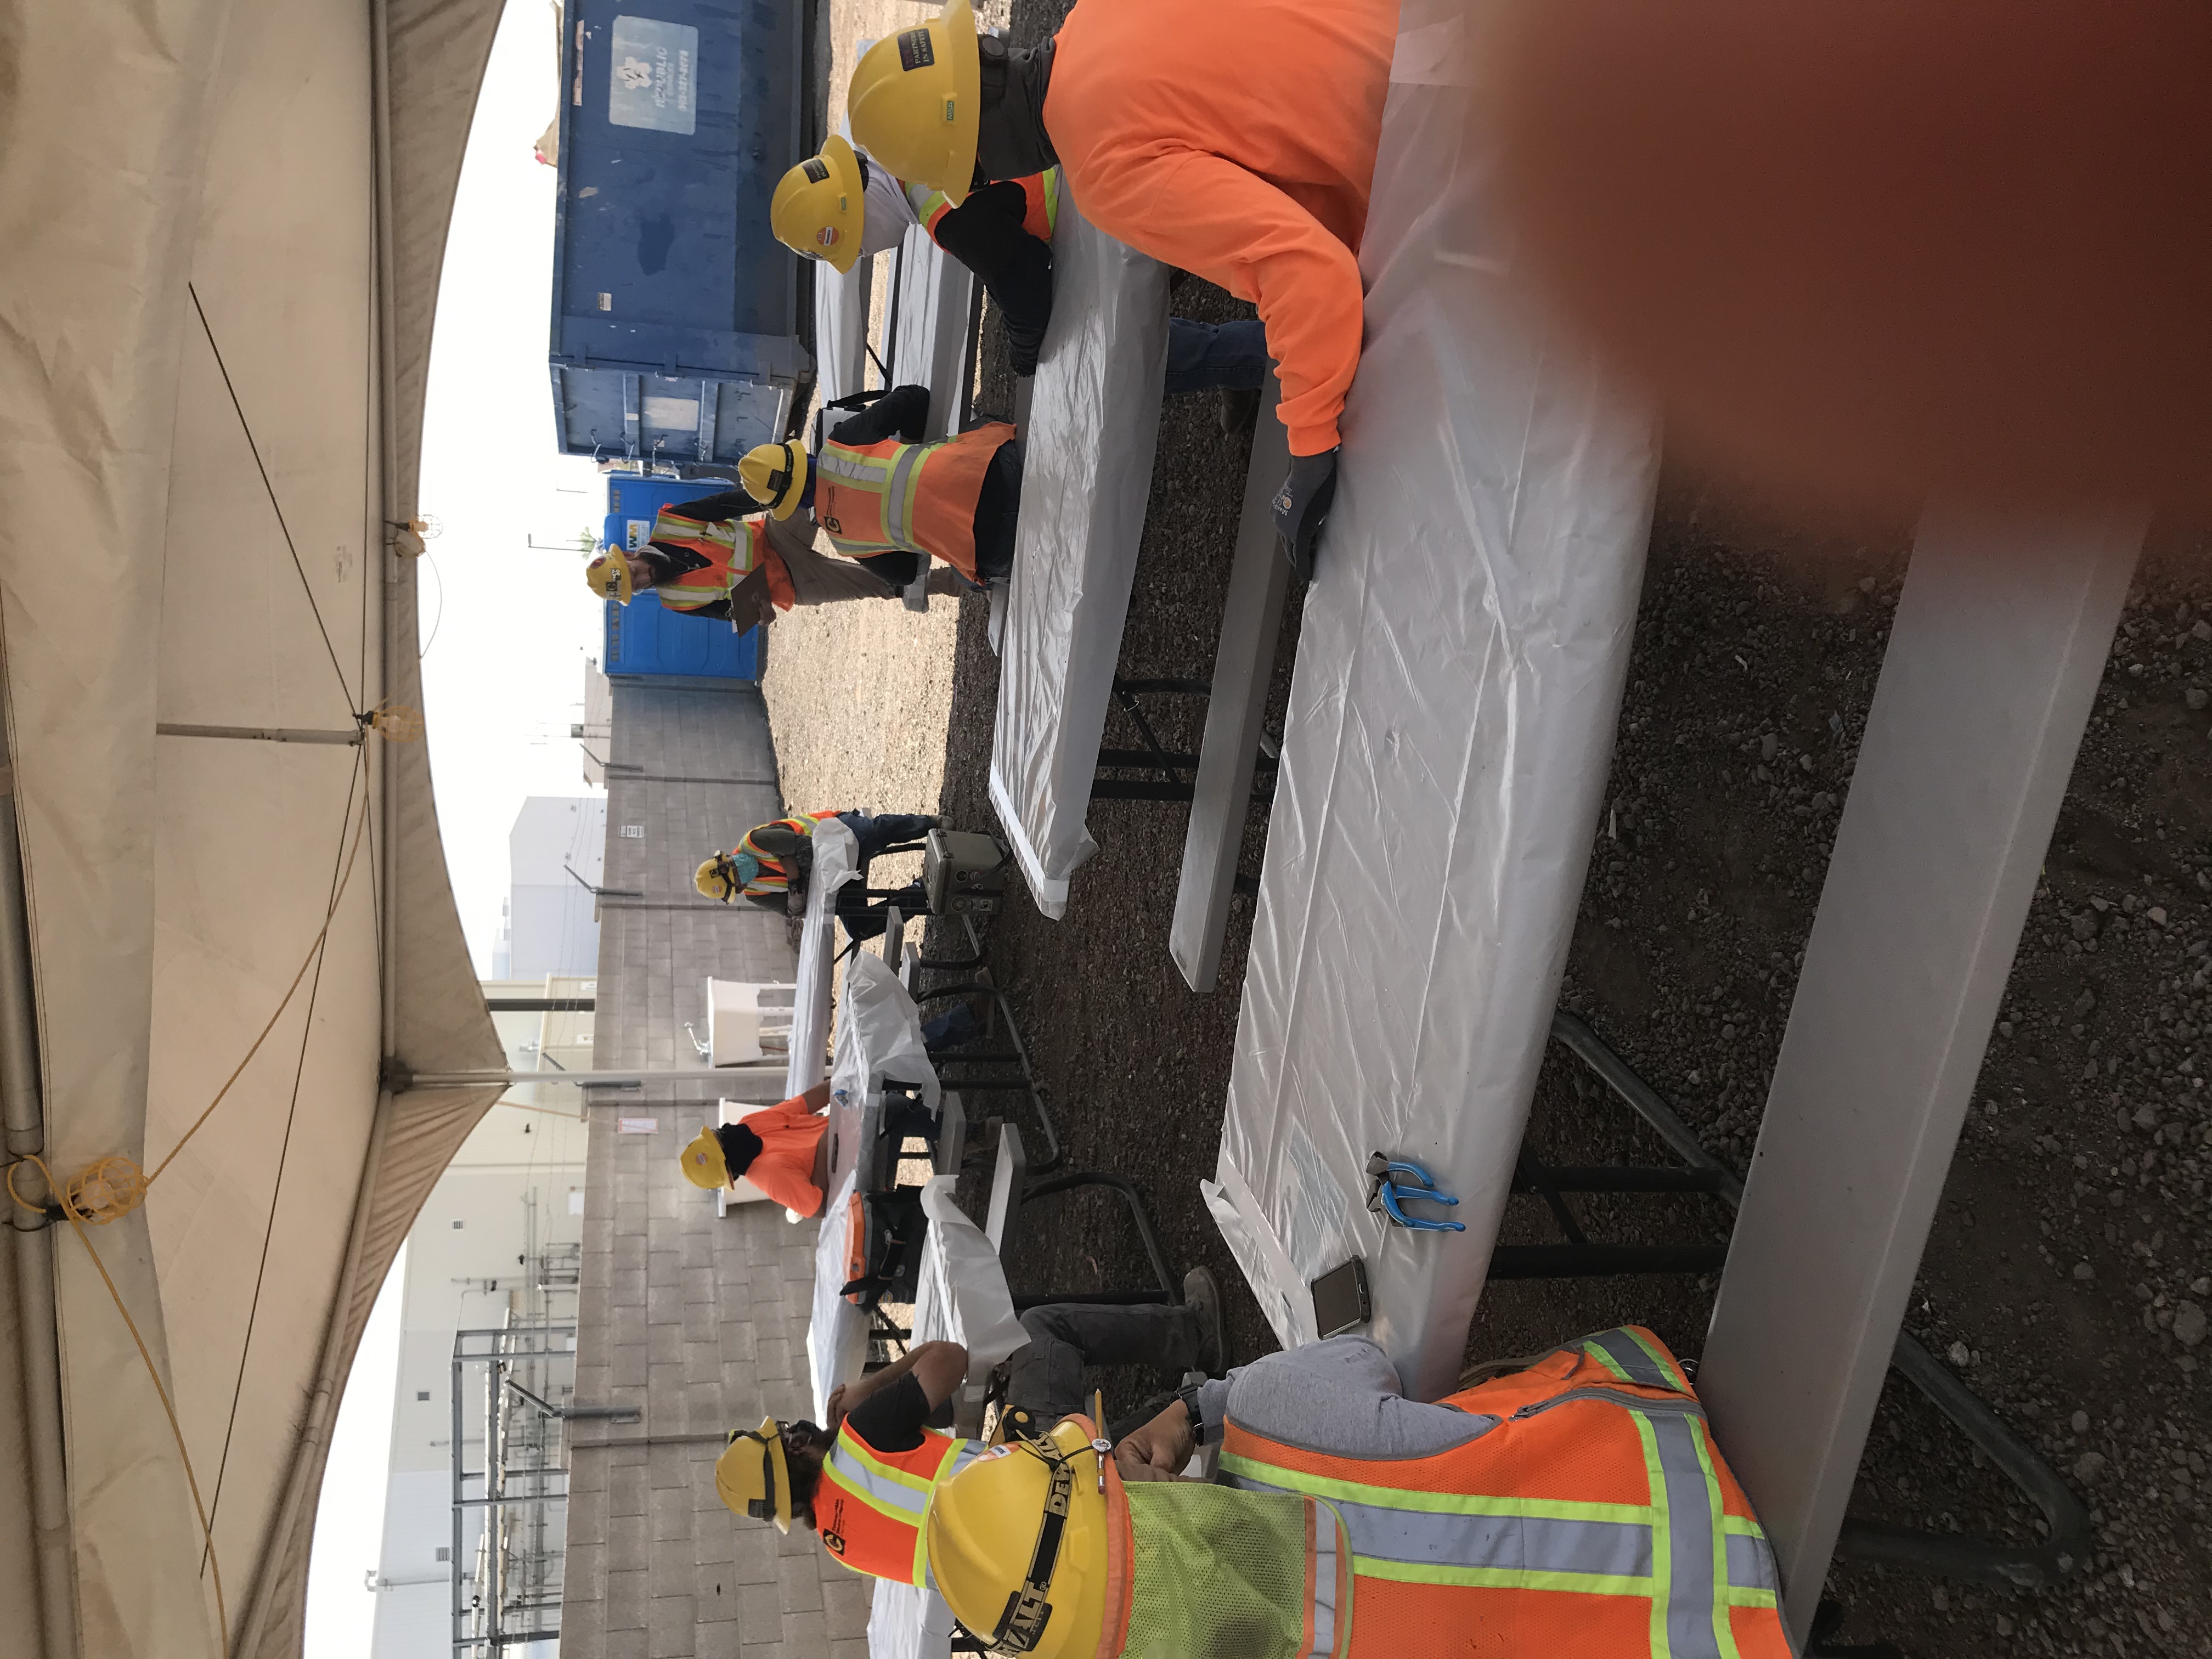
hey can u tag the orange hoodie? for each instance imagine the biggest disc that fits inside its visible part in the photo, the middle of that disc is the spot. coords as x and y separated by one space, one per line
1236 138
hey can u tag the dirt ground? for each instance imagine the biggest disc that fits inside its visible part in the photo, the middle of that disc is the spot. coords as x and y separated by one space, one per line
2070 1268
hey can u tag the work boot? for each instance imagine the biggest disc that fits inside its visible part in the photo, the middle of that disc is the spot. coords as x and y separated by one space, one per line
1239 414
1203 1297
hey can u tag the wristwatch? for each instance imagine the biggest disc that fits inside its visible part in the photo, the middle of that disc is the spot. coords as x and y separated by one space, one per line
1190 1398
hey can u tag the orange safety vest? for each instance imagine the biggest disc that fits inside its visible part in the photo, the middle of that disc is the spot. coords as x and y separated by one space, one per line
732 549
1040 203
774 878
918 498
871 1508
1595 1517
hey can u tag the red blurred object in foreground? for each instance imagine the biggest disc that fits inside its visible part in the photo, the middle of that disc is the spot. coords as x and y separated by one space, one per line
1866 251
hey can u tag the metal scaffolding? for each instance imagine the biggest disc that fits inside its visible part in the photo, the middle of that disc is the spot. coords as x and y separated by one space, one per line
506 1592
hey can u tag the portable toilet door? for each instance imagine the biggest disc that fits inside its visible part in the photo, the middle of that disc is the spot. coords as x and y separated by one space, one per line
647 642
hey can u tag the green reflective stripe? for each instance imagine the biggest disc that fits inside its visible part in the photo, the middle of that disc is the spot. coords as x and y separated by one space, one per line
1050 186
868 471
1573 1583
1442 1503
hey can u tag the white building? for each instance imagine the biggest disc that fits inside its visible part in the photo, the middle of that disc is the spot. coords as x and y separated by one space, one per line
556 857
496 1245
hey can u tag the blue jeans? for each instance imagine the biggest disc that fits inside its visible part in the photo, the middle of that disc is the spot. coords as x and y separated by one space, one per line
1215 357
884 830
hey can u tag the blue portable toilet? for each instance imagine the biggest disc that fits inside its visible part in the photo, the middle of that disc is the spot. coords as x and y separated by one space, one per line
681 329
645 642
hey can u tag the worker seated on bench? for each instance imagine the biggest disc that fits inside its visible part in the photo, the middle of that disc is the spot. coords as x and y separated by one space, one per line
781 1149
760 867
708 558
884 496
1578 1506
840 206
864 1483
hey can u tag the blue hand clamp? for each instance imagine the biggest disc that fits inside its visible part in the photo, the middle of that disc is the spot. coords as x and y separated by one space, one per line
1385 1194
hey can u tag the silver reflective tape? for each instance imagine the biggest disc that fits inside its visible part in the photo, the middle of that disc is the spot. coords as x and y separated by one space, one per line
1635 1361
896 524
852 1473
1509 1542
1692 1522
1750 1564
1325 1525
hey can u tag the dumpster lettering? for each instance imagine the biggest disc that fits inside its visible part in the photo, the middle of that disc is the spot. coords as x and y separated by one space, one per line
652 80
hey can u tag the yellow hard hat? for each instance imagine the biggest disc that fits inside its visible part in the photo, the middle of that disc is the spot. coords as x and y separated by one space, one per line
817 211
608 576
715 878
703 1163
752 1477
914 101
1004 1579
775 475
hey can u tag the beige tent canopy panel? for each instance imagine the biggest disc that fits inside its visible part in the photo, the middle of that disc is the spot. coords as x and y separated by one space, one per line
226 225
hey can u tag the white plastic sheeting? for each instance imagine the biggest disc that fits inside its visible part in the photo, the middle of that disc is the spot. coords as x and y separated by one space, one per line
963 1298
1449 727
878 1040
1087 473
841 327
293 165
935 298
836 861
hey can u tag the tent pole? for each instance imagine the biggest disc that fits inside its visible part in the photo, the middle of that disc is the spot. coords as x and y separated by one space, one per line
22 1107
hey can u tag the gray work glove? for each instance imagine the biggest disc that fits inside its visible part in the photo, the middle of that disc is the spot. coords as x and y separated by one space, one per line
1302 507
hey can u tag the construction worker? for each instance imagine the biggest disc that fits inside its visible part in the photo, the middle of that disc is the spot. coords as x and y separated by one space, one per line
1578 1506
839 207
864 1483
707 557
780 1149
884 494
759 869
1236 140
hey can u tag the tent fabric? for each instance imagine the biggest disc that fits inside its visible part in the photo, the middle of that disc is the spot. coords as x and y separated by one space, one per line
1094 422
218 273
1458 672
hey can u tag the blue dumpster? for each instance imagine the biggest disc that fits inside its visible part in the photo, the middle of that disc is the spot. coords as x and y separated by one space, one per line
680 325
644 641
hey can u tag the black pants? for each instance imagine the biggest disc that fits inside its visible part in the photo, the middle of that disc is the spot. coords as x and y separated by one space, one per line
1046 1377
997 510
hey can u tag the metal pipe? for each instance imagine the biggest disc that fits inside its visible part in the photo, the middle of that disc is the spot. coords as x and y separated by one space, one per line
22 1109
672 1074
265 734
541 1004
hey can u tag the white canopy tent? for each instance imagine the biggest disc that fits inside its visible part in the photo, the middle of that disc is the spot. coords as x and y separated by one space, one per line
224 228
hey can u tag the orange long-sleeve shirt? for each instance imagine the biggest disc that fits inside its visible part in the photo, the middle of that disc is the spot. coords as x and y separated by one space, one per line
789 1135
1236 138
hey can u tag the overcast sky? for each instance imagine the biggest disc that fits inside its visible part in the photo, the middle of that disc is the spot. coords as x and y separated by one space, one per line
503 676
507 629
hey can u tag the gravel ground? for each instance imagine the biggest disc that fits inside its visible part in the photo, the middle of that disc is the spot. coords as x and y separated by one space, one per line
2070 1268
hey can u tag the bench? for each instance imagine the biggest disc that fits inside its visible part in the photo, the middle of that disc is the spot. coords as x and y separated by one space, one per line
1092 426
1230 750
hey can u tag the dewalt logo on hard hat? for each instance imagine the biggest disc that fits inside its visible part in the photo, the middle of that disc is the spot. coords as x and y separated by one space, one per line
916 49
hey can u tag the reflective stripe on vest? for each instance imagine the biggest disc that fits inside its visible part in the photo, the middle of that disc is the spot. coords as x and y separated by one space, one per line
1681 1550
730 555
1040 205
774 878
1325 1582
881 1528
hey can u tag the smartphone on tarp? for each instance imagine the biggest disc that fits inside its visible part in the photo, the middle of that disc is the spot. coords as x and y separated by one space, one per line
1340 1299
